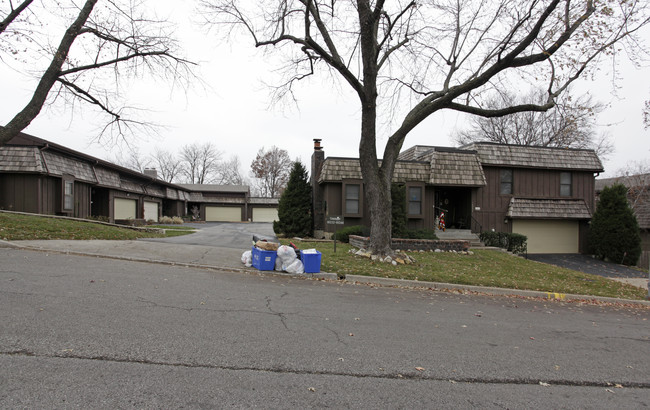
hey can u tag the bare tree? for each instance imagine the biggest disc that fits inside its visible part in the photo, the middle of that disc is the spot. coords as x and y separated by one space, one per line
100 46
200 162
636 178
271 171
133 159
167 165
571 123
229 172
417 58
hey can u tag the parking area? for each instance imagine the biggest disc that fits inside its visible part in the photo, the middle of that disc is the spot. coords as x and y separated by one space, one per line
589 264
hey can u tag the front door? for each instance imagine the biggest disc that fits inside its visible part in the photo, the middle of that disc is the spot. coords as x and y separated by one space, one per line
456 203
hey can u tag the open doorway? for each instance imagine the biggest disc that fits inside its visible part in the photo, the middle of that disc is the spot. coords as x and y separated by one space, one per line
456 203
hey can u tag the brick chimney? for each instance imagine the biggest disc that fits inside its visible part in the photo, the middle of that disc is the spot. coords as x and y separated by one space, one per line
318 206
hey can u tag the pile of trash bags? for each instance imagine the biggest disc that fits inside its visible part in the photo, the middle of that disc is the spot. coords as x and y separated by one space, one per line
287 260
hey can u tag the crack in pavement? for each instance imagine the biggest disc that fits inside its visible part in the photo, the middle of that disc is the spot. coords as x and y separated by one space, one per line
282 316
388 376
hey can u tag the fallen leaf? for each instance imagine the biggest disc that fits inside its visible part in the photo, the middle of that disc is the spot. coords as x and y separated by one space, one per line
351 334
609 390
618 386
341 359
544 384
311 389
419 369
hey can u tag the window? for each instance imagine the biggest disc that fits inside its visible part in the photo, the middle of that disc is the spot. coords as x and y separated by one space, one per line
565 184
68 195
506 181
353 199
415 200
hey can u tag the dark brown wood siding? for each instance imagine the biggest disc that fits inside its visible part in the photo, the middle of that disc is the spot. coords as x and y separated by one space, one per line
81 200
30 193
492 206
527 183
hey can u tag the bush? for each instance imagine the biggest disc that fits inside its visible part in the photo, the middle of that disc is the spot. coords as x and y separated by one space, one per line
614 233
512 242
343 235
398 210
418 234
177 220
166 220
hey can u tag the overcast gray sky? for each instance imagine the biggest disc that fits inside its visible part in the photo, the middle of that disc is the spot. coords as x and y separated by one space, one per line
232 108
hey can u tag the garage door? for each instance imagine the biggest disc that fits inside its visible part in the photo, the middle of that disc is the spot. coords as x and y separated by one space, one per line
549 236
222 214
151 211
265 214
124 208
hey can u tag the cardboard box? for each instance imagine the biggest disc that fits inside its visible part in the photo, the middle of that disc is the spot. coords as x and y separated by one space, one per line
311 261
264 260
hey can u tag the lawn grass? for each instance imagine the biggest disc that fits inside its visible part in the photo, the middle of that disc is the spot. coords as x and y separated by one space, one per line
483 268
16 227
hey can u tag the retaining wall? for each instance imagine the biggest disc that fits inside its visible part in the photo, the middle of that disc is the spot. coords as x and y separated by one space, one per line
362 242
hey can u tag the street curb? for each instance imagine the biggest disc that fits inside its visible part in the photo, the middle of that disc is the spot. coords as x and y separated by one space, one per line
315 276
485 290
372 280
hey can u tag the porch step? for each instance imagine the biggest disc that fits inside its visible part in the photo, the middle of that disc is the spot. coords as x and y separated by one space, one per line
460 234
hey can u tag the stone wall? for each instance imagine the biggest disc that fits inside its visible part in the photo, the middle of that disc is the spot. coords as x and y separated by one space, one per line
362 242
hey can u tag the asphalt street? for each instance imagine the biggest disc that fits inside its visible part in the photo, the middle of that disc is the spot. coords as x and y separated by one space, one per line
99 333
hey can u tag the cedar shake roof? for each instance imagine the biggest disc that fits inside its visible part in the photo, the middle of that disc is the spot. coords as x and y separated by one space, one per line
216 188
415 153
638 194
337 169
437 166
26 153
536 157
20 159
548 209
264 201
456 168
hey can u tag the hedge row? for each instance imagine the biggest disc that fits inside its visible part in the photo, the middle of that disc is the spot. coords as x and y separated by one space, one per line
512 242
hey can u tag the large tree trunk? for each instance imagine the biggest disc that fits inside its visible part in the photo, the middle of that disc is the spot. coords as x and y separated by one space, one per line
376 185
376 179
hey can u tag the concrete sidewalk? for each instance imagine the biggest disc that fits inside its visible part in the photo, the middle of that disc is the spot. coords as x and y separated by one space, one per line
213 257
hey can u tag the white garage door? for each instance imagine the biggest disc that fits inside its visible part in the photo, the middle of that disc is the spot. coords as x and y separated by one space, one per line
151 211
265 214
222 214
549 236
124 208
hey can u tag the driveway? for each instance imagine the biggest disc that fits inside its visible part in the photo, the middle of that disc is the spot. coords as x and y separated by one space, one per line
221 234
588 264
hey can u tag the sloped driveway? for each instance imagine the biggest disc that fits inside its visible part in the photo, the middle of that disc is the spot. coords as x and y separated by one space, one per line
588 264
221 234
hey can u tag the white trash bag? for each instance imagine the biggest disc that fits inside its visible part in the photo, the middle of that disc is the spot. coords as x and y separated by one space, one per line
296 267
286 254
278 264
247 258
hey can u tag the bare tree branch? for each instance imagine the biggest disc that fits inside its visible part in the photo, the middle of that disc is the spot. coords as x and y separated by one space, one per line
15 12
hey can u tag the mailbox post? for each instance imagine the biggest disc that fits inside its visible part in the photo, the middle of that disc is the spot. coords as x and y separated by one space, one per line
336 221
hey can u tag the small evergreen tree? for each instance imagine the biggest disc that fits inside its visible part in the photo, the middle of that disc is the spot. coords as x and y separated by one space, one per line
294 208
398 198
614 230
